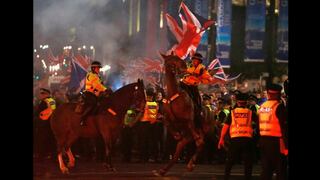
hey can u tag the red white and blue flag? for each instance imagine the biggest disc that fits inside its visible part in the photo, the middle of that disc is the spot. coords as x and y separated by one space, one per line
219 72
189 36
79 66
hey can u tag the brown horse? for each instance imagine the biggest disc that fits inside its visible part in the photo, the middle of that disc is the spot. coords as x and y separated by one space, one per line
179 109
65 123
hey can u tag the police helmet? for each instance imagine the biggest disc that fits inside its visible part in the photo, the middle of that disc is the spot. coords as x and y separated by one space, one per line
150 92
44 91
96 64
274 89
197 56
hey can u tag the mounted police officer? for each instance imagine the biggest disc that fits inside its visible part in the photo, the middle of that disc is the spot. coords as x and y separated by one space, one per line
93 89
196 74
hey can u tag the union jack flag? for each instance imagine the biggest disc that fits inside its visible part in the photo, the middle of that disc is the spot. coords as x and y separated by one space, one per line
219 72
192 30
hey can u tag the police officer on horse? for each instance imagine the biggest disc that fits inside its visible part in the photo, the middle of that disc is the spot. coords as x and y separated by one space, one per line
93 89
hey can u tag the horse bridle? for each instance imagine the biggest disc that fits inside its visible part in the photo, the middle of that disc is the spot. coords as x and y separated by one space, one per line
135 96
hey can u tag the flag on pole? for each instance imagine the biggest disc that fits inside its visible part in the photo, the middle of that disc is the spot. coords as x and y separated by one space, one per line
189 36
78 74
216 65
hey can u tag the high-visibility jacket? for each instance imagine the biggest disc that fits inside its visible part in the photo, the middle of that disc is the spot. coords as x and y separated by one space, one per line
129 117
209 106
241 123
195 77
51 106
257 107
150 112
226 112
268 121
94 83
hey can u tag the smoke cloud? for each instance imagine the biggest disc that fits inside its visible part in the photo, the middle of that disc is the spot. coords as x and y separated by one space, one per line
101 23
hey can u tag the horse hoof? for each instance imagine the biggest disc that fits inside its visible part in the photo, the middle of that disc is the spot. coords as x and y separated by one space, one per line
112 169
159 173
65 170
190 168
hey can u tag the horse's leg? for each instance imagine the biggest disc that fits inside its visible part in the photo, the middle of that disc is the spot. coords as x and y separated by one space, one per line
107 142
60 150
196 136
181 144
71 158
62 166
193 159
71 138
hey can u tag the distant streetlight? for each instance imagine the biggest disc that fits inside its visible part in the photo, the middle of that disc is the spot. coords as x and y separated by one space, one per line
84 47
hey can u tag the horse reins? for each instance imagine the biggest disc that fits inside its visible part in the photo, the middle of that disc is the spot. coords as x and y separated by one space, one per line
172 98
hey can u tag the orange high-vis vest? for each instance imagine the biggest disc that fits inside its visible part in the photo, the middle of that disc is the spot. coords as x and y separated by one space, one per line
195 78
51 105
241 123
94 83
268 121
150 112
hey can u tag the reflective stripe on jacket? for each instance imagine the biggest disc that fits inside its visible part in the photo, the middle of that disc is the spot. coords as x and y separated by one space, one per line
51 105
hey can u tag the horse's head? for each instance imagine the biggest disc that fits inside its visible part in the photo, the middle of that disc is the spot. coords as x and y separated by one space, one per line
174 64
139 96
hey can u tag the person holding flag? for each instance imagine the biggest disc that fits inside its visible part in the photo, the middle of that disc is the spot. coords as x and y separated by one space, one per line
196 74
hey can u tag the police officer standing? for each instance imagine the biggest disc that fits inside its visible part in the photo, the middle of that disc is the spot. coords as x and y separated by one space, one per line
127 134
222 114
146 128
45 136
239 124
273 134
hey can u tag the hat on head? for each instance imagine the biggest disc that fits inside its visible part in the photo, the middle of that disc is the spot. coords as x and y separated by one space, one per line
222 101
274 88
197 56
206 97
242 97
235 92
44 91
96 64
150 92
253 98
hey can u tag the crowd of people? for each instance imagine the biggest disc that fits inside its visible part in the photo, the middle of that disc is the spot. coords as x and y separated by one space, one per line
252 124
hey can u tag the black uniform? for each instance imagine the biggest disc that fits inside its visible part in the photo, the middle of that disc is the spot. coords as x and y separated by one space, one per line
45 144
